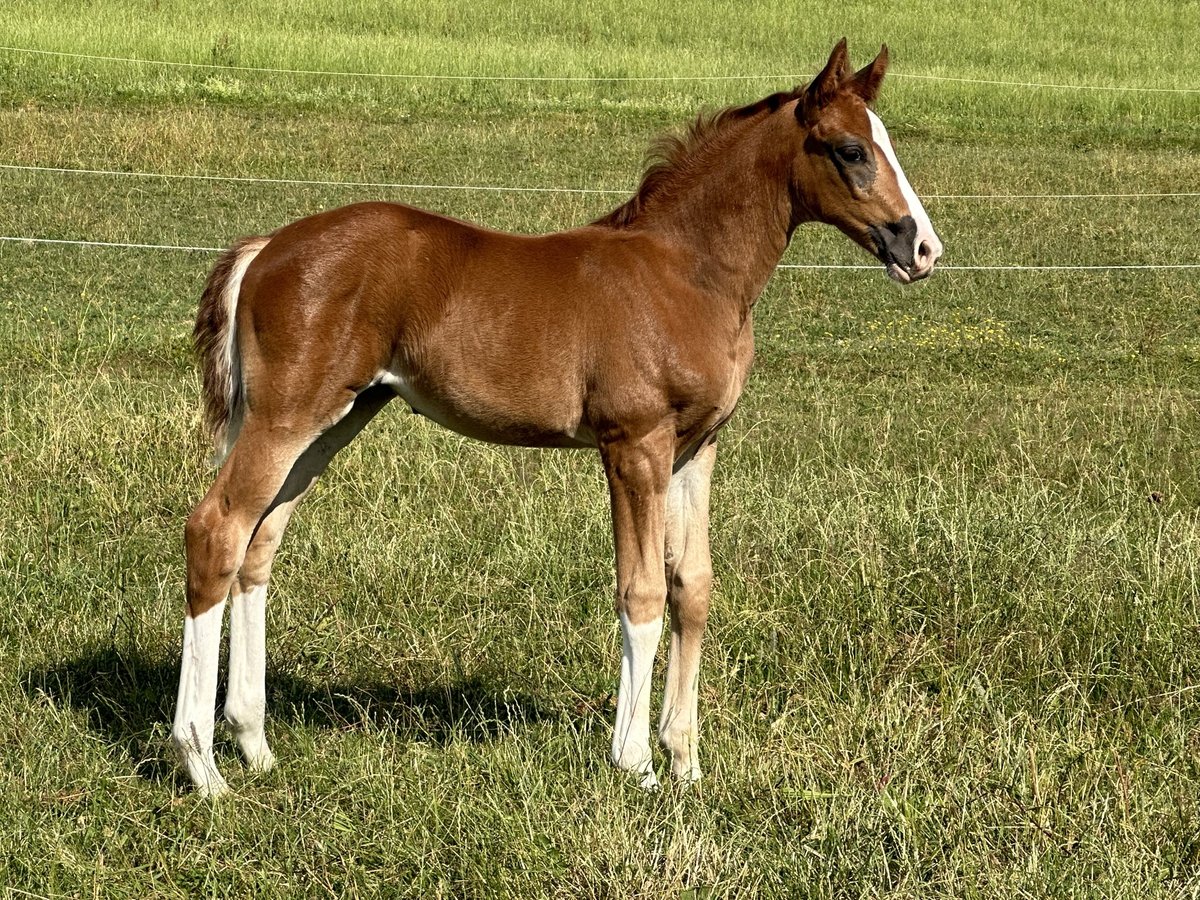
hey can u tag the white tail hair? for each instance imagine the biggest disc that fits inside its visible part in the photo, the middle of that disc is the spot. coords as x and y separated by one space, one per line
216 342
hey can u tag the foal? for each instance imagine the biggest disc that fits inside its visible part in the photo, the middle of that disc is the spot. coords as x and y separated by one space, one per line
631 335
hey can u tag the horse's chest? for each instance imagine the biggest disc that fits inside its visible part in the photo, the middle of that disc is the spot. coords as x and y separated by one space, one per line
716 392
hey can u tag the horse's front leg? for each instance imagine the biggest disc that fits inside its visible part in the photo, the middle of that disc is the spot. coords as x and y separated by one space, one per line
689 581
638 473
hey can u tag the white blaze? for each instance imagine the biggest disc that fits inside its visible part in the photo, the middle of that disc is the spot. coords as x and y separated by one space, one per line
925 232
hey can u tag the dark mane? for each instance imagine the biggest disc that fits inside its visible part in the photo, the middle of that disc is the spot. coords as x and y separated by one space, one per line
671 156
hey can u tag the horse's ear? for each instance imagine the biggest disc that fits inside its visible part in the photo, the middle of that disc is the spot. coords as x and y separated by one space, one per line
823 88
866 81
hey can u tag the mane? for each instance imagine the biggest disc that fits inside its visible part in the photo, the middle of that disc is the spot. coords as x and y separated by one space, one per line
673 158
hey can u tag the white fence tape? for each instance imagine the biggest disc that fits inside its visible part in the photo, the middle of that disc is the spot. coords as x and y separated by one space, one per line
487 188
414 76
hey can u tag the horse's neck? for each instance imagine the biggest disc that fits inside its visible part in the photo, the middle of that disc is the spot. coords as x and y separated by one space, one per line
733 225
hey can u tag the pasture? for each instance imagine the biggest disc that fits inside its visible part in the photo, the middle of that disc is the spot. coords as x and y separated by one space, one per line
955 641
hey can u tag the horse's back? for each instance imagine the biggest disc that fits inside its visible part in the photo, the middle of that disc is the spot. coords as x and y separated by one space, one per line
477 329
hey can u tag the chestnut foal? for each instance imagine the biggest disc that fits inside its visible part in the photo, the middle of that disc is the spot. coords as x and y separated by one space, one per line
631 335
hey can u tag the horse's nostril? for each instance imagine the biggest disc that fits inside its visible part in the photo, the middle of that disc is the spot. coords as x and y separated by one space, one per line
924 251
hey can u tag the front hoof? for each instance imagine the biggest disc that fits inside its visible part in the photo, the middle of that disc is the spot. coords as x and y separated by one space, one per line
648 782
637 761
263 761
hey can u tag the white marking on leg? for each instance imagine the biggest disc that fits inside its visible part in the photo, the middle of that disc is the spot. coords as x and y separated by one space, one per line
631 734
925 232
195 709
246 701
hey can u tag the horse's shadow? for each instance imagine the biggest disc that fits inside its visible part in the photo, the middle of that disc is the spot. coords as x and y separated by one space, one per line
128 699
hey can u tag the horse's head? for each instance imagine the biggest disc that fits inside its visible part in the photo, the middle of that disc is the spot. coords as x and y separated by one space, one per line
847 174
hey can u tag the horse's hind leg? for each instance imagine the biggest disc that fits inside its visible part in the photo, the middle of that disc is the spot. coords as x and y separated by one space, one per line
689 579
217 534
246 698
269 469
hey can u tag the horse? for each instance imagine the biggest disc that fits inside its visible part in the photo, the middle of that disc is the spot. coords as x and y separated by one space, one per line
631 335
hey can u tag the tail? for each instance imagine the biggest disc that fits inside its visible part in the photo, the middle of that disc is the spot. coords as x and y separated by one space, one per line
215 338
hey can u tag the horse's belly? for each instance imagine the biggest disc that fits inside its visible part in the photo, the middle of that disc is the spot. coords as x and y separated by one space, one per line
489 419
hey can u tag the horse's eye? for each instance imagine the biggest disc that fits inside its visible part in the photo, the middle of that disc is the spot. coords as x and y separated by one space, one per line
851 154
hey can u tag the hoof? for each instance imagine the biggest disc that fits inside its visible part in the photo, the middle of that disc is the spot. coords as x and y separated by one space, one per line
637 760
262 762
212 790
689 777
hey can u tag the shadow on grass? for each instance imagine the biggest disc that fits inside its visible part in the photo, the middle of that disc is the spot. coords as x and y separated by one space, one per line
129 700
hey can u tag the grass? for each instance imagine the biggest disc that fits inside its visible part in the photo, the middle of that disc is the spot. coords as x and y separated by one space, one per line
956 527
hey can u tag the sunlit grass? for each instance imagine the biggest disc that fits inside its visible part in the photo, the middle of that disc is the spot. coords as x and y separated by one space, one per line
1123 46
956 527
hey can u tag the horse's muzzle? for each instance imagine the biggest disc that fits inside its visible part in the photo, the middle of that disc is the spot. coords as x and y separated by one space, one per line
906 254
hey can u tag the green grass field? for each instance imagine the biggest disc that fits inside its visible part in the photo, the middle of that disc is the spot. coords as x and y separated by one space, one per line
955 645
